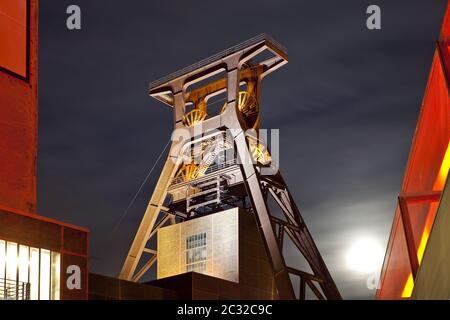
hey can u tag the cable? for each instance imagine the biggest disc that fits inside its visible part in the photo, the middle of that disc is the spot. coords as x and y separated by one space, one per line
146 178
140 188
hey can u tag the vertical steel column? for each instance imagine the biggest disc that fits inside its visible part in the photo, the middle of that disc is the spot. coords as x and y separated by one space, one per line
281 275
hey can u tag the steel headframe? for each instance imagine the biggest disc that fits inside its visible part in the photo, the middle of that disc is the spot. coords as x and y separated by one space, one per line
240 64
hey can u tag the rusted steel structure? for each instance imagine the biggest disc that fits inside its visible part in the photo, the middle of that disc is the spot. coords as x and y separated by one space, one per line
215 164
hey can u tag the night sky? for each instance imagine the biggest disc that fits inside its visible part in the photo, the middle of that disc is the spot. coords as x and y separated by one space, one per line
346 105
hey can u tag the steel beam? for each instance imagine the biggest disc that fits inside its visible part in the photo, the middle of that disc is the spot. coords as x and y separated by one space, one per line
148 221
282 280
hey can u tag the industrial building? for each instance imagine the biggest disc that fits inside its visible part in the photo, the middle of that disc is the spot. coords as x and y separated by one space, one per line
216 237
40 258
210 211
417 256
221 213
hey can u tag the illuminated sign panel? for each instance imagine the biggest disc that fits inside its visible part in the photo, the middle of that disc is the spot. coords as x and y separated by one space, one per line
13 35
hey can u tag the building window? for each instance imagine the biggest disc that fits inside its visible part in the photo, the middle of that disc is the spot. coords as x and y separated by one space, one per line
196 253
13 35
28 273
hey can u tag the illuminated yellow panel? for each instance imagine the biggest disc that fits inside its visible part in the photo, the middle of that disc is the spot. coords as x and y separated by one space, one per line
443 171
34 273
427 229
409 286
44 284
11 261
23 263
38 267
216 257
2 258
56 260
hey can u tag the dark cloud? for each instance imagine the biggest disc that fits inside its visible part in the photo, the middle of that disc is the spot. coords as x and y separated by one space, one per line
346 106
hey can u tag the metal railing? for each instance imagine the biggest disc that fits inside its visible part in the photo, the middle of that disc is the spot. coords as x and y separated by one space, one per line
218 56
211 169
14 290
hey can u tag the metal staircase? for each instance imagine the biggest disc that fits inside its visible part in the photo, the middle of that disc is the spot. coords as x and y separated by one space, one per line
206 192
14 290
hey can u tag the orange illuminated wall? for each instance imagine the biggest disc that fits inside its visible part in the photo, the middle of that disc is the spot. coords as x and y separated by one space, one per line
18 103
19 223
13 35
425 176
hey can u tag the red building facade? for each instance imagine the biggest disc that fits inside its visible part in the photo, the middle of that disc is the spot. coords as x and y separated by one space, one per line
424 180
18 101
40 258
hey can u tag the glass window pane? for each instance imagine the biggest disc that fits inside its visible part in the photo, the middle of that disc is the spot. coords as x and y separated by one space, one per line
428 164
56 261
23 263
203 253
11 261
44 283
195 252
34 273
2 259
396 280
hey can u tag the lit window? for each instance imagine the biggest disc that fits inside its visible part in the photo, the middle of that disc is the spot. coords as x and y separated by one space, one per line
44 281
55 271
28 273
196 253
11 261
13 32
2 258
34 273
23 263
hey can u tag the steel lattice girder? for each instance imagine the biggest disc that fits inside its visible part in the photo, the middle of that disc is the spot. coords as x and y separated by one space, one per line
171 90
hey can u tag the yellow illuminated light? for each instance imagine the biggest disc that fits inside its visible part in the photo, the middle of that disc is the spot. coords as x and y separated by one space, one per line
39 268
443 171
426 231
56 261
248 104
2 257
194 117
34 273
189 171
438 186
44 271
259 151
407 290
23 263
11 261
